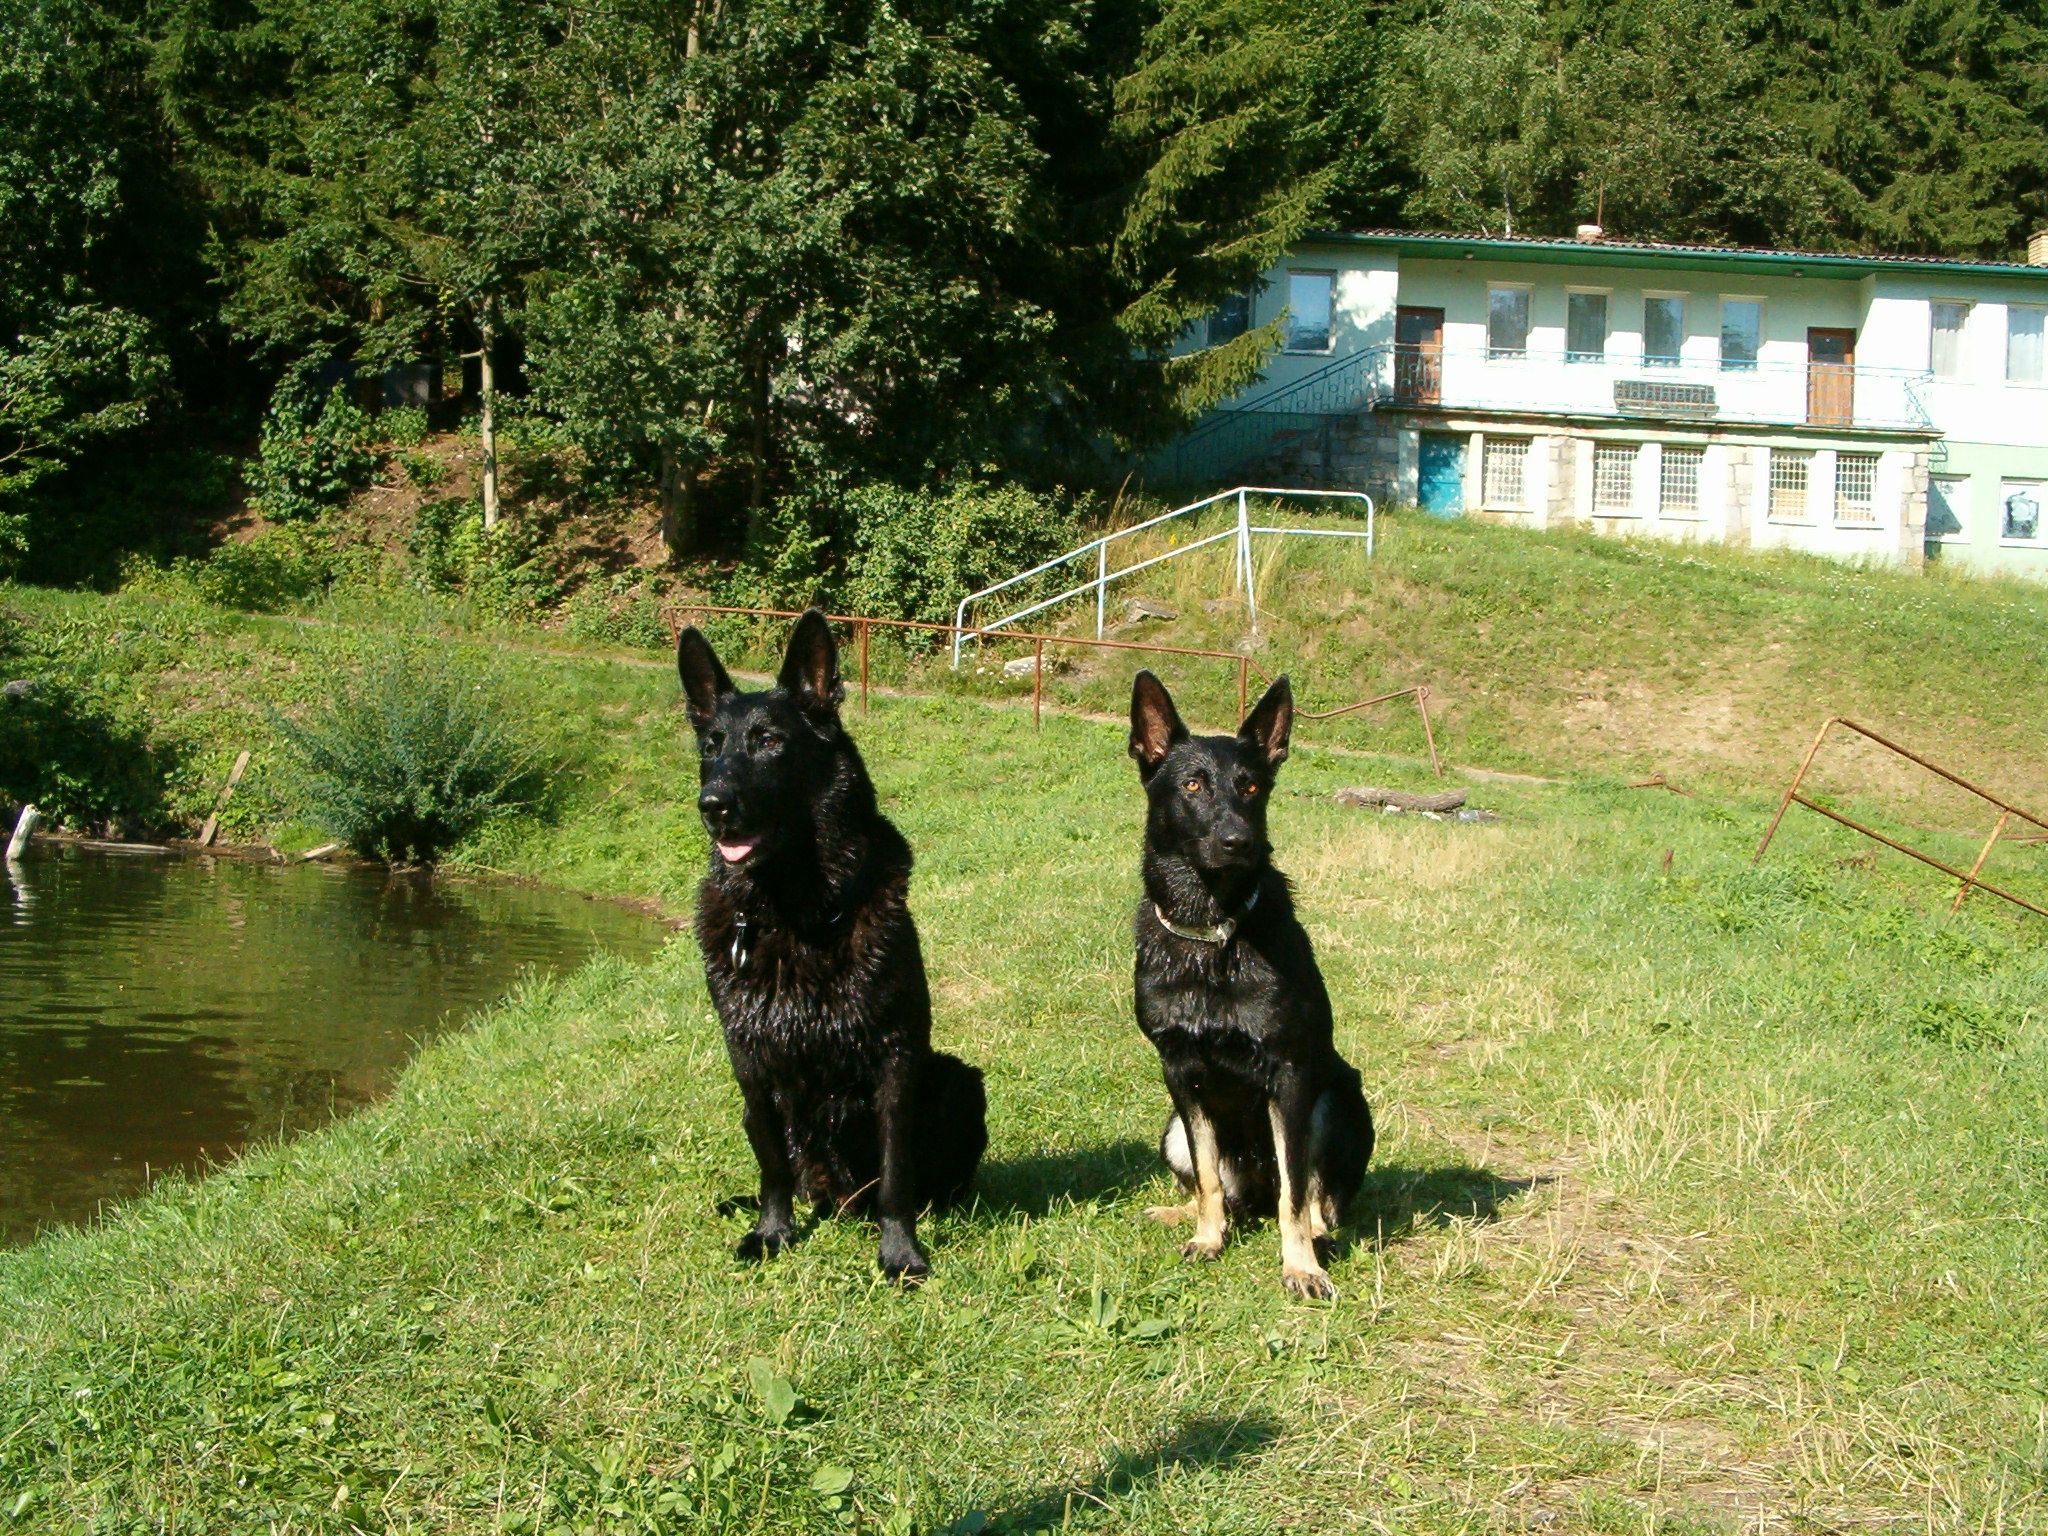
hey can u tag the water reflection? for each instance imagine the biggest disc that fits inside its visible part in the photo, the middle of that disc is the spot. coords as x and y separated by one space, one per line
158 1013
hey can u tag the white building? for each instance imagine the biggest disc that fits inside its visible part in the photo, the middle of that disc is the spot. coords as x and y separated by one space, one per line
1891 408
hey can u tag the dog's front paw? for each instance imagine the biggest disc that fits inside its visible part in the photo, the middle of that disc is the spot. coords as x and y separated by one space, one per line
1201 1248
1308 1284
763 1243
904 1263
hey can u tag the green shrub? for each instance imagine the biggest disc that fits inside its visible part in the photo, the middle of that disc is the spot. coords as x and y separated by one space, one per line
507 573
314 450
404 426
910 554
280 568
80 757
616 611
422 470
409 757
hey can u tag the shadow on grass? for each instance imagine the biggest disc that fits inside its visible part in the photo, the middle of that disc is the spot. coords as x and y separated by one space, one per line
1207 1441
1033 1185
1398 1201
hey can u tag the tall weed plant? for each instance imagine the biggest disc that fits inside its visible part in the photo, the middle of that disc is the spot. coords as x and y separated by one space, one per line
410 756
315 449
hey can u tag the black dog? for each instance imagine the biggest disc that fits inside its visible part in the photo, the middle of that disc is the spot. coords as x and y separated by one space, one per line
1267 1117
814 964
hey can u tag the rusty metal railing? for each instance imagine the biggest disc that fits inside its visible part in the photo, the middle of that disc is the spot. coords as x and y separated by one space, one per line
2006 812
863 624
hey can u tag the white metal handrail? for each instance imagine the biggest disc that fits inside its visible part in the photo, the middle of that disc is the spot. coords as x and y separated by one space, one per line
1242 533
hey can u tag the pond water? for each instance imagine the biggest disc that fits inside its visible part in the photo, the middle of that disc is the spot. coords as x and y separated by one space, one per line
160 1011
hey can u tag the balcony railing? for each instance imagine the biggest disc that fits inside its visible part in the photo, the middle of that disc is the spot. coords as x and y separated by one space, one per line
1830 395
1260 424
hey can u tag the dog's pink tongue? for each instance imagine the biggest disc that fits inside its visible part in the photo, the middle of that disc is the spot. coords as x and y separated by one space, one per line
732 853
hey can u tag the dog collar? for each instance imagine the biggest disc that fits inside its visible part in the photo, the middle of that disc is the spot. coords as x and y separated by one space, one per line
1220 934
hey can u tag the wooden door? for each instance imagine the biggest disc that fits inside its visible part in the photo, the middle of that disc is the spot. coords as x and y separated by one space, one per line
1418 355
1830 377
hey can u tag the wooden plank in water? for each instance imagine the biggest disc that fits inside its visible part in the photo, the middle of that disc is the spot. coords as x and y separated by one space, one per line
234 777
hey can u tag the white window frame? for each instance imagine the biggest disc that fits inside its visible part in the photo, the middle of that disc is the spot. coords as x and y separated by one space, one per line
1329 344
1966 306
1634 451
1589 359
1959 508
1684 302
2040 379
1721 336
1522 448
1697 452
2039 489
1506 354
1839 502
1807 488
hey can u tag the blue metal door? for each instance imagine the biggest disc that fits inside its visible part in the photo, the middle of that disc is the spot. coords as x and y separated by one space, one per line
1440 474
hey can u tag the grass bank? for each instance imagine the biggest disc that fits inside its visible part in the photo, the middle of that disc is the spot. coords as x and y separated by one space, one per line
1706 1201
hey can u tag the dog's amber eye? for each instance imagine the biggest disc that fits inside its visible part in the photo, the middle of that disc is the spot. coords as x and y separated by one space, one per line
1192 786
1250 790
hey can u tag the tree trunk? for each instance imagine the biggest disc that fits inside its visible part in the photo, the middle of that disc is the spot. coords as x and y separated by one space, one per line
487 376
678 503
757 493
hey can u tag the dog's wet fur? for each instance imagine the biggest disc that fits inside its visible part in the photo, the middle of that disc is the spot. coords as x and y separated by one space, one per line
813 961
1267 1120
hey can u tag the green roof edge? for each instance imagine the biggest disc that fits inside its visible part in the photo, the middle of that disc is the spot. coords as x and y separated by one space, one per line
1619 253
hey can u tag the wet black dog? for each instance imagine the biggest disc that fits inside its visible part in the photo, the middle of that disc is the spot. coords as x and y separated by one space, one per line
814 964
1267 1117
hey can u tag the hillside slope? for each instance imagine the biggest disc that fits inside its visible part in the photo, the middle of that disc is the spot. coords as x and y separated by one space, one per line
1566 653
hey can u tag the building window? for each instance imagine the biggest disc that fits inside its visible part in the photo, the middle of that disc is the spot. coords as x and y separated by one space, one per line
2022 515
1505 465
1791 469
1948 498
1507 322
1678 481
2023 360
1309 310
1585 327
1614 478
1230 319
1742 333
1856 489
1945 339
1663 331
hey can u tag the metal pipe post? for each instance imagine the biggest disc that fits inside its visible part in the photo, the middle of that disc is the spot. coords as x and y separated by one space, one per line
863 666
1982 854
1101 583
1792 789
1037 680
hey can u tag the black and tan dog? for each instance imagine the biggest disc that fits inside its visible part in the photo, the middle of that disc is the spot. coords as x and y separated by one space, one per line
813 961
1267 1118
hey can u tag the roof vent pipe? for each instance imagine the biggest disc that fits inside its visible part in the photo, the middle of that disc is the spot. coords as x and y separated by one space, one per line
2037 248
1592 234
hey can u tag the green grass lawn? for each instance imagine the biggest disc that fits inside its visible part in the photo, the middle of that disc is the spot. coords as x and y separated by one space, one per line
1708 1197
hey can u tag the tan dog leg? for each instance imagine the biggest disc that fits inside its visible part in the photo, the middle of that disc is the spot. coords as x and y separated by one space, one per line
1207 1243
1300 1270
1171 1215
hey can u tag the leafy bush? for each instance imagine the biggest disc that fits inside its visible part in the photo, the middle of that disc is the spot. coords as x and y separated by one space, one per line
422 470
910 554
409 757
506 573
404 426
77 756
616 611
314 450
280 568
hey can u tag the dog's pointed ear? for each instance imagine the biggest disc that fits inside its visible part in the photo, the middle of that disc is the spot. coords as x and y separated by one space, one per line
1155 723
1267 728
810 669
705 680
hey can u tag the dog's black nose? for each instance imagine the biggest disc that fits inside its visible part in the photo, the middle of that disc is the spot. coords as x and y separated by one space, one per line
715 804
1235 840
